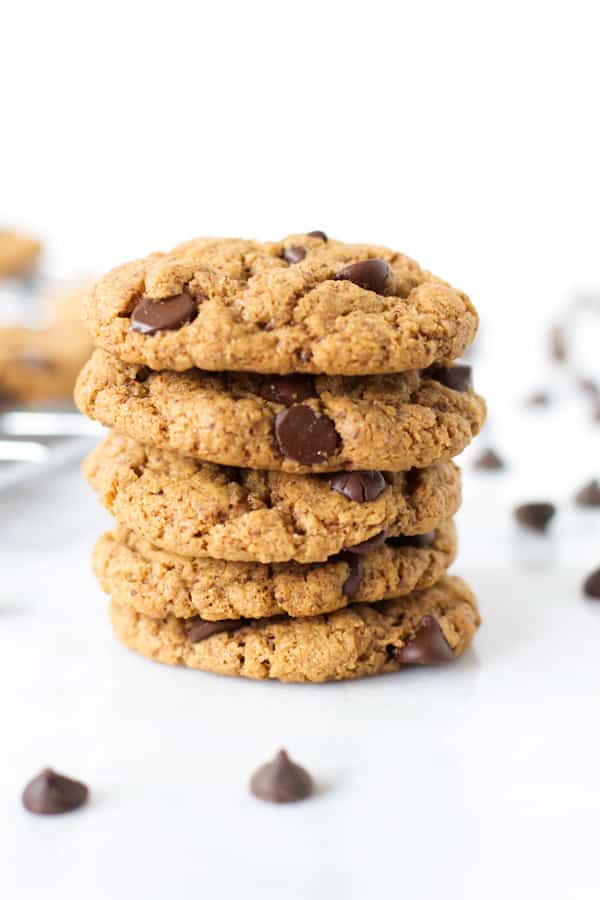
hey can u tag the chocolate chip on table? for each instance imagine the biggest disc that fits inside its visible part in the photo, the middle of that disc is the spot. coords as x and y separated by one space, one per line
591 585
198 629
372 543
370 274
538 398
287 389
457 378
7 399
168 314
318 234
589 386
428 646
356 571
558 346
420 541
589 494
50 794
304 436
489 460
281 781
294 254
535 516
361 487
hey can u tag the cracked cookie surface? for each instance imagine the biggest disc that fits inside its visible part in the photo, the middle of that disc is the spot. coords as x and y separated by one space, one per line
199 509
360 640
241 305
157 583
389 422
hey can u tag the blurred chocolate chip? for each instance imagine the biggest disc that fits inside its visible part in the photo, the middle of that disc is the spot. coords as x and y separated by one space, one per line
428 646
50 793
489 459
589 386
356 571
7 399
591 585
372 543
538 398
281 781
457 378
33 360
370 274
359 486
150 316
198 629
589 494
318 234
287 389
558 347
304 436
420 541
294 254
536 516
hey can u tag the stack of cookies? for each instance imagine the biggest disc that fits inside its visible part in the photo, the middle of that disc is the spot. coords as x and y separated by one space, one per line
284 418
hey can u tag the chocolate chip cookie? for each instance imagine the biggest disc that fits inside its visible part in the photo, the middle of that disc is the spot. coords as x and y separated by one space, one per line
302 305
295 423
18 254
157 583
425 628
198 509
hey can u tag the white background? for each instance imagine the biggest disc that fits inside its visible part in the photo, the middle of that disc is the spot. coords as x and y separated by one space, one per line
465 134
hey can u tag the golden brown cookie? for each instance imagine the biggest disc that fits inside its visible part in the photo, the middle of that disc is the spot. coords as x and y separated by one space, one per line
428 627
157 583
388 422
304 304
18 254
199 509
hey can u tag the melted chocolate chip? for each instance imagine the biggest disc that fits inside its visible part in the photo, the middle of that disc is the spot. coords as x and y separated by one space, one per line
356 571
489 459
294 254
150 316
304 436
589 495
428 646
198 629
287 389
536 516
318 234
372 543
420 541
281 781
50 794
370 274
361 487
457 378
591 585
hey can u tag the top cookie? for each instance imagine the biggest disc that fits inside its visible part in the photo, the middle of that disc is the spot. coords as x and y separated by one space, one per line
304 304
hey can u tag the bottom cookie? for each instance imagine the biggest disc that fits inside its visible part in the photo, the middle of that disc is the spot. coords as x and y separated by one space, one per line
425 627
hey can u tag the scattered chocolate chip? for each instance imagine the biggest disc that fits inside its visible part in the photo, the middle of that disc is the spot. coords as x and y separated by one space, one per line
34 360
50 793
359 486
281 781
318 234
356 571
198 629
304 436
589 386
428 646
7 399
591 585
287 389
372 543
420 541
558 347
536 516
294 254
150 316
538 398
589 494
489 459
457 378
370 274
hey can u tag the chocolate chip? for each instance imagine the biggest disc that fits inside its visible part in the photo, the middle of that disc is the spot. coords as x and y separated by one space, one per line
318 234
370 274
150 316
538 398
591 585
589 494
281 781
287 389
143 374
420 541
50 793
589 386
304 436
294 254
372 543
536 516
558 346
7 399
489 459
428 647
356 571
457 378
359 486
198 629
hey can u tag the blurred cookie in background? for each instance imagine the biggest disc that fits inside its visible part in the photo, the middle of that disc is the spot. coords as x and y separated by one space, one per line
19 254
